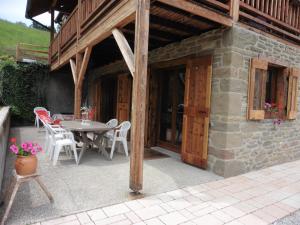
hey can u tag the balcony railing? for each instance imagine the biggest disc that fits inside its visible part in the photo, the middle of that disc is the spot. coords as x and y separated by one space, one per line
69 30
280 17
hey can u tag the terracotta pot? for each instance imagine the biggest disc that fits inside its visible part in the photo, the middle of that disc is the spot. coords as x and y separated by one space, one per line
26 165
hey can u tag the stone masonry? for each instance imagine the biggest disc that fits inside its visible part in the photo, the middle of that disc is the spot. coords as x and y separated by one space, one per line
235 144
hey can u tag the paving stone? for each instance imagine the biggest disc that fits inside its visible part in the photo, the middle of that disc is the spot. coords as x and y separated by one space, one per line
96 214
150 212
173 218
116 209
110 220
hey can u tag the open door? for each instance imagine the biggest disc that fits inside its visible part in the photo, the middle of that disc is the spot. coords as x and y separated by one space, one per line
124 97
153 108
196 111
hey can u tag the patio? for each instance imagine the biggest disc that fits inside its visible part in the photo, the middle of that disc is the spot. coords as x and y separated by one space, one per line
96 182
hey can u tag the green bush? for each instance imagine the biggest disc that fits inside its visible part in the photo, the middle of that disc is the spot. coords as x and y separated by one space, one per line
22 87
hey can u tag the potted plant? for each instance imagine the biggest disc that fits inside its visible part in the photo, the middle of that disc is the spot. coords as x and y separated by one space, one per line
273 111
26 161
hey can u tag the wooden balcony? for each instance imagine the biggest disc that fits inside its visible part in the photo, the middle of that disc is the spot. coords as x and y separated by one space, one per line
171 21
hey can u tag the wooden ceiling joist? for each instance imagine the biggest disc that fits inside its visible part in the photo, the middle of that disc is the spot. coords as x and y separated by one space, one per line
173 24
199 11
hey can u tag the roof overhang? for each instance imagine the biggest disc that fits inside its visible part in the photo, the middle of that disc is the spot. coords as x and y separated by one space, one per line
37 7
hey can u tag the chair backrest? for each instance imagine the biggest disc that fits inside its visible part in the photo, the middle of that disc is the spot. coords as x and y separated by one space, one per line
39 108
112 123
124 127
41 111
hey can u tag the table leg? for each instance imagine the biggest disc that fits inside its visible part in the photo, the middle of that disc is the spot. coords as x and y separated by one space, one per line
84 146
101 147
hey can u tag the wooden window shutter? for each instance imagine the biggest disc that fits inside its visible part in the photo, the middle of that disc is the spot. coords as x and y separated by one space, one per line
257 89
292 106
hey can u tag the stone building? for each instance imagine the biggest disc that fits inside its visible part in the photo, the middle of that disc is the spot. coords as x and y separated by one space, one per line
218 85
236 145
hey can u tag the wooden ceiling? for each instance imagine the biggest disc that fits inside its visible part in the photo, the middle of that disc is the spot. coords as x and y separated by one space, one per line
167 25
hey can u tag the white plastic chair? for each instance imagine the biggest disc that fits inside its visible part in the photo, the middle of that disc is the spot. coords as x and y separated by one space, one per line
120 135
111 124
110 134
67 142
53 133
36 122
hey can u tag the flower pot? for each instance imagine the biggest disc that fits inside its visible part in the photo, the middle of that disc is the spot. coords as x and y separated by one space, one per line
26 165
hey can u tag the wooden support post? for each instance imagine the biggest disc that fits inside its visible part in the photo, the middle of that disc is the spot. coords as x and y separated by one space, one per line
52 25
82 61
139 94
125 49
235 9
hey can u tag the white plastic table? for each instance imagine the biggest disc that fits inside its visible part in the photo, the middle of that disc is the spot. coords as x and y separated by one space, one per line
97 128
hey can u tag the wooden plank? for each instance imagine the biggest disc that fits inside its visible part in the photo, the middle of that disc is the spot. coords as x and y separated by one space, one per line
292 106
196 111
85 62
139 94
73 69
245 15
124 97
125 49
199 11
257 114
234 9
103 28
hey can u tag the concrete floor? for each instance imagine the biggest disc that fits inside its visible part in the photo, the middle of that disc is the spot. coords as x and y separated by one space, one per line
94 183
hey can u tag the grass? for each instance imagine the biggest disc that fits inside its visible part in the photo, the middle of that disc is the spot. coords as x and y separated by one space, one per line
12 34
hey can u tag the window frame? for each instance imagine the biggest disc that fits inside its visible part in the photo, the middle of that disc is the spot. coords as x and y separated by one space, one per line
289 99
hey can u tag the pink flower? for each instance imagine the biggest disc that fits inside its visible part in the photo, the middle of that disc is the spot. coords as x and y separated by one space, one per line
14 149
24 146
33 151
29 144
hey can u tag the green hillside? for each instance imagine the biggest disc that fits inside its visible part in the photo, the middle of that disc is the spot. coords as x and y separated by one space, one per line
11 34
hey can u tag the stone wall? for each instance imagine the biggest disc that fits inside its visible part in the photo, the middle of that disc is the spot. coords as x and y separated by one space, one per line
235 144
240 145
4 132
60 93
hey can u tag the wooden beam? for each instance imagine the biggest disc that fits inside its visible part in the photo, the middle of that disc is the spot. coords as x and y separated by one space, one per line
125 49
84 65
199 11
81 66
139 94
73 69
235 9
116 18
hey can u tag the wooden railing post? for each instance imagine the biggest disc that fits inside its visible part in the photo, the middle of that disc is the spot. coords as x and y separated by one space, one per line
235 9
18 52
139 94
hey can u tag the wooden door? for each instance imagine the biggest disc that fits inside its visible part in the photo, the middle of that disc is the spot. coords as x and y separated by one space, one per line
196 111
152 123
124 97
96 99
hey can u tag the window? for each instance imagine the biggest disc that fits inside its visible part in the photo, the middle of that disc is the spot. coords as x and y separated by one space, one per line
272 91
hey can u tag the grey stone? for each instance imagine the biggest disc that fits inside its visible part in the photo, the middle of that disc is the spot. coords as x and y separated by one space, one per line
233 85
226 104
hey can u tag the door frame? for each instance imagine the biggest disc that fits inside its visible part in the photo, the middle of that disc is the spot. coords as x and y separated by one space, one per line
183 61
